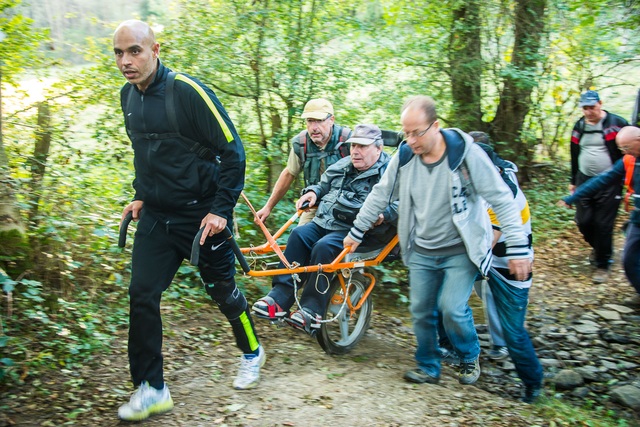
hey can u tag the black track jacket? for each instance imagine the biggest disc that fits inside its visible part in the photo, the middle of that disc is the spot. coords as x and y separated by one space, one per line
168 176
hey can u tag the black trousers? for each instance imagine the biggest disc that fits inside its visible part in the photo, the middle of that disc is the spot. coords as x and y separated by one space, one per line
595 217
161 244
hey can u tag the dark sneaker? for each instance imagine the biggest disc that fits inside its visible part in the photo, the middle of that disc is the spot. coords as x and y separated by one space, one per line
449 357
498 352
469 372
267 308
146 401
600 276
632 301
419 376
625 227
305 320
249 372
531 394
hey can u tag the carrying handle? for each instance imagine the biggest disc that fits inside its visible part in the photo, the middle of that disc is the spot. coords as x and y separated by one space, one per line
304 206
226 233
122 238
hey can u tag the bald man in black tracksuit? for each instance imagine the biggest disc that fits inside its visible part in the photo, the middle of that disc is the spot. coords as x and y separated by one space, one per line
185 179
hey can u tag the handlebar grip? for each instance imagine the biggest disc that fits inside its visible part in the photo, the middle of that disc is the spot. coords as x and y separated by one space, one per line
122 238
195 248
226 233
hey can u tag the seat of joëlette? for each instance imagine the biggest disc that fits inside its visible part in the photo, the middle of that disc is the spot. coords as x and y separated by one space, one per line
369 250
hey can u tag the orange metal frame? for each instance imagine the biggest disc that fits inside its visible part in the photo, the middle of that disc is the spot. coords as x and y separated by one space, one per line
271 246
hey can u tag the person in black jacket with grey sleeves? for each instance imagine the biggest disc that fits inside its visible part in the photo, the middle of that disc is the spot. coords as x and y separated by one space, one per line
189 172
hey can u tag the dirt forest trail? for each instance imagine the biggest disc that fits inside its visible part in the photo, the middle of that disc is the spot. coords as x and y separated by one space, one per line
301 386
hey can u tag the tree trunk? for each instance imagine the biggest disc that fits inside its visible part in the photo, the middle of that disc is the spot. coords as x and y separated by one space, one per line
11 227
9 216
519 81
275 163
465 61
39 159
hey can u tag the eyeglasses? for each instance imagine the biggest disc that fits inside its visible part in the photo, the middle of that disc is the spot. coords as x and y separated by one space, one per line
316 121
417 134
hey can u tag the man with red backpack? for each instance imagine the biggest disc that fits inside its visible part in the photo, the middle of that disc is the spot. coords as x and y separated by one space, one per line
312 151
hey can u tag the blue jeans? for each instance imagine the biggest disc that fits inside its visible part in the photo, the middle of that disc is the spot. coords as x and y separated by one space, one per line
490 312
511 303
442 283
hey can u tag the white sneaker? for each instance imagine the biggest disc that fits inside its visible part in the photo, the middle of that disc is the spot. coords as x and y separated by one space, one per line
249 372
469 372
146 401
498 352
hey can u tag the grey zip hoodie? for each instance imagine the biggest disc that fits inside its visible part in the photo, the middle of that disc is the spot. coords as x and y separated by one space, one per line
474 182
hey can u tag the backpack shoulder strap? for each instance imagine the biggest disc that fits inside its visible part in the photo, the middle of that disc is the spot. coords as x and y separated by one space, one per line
129 95
501 165
345 132
405 154
170 106
125 107
194 146
452 135
300 146
581 126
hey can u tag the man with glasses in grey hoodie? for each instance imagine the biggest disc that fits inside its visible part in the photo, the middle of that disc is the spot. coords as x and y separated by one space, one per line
442 179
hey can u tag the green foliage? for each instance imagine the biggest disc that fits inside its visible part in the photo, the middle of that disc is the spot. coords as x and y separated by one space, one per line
70 293
560 414
13 244
270 58
586 42
21 43
548 185
38 337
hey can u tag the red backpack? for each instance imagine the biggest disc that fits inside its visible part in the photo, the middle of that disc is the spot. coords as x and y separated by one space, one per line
629 165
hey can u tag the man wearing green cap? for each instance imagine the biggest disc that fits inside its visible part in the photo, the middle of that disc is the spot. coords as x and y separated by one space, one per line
312 152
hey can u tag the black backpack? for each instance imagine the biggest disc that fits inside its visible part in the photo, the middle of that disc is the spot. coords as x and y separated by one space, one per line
194 146
406 154
342 148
